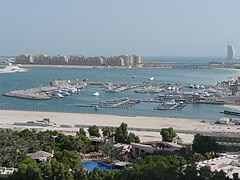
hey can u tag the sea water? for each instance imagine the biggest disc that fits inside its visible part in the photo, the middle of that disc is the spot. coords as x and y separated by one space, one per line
42 76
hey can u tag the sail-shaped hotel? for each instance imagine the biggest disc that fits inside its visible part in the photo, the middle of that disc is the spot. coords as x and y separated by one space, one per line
230 52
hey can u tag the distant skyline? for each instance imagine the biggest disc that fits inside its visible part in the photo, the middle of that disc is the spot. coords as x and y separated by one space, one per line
107 27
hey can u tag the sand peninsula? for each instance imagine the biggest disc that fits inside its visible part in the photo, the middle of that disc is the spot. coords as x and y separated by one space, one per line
12 69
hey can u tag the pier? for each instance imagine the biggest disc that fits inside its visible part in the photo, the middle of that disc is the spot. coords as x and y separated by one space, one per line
119 103
56 89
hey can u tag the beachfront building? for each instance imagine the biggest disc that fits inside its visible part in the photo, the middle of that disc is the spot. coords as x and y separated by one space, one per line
93 61
230 52
123 60
115 61
58 60
24 59
41 59
131 60
147 148
76 60
137 60
127 60
228 163
104 58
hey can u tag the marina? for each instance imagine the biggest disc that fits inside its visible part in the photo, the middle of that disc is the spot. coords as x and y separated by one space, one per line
167 84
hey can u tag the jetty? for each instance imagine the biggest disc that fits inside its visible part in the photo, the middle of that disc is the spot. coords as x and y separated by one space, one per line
56 89
118 103
177 106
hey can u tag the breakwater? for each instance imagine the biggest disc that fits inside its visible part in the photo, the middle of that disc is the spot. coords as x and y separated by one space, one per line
56 89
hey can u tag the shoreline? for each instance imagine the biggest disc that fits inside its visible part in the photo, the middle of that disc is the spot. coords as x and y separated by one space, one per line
147 128
8 117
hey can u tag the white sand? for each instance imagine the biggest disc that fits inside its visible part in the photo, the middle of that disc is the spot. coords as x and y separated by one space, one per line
99 119
7 119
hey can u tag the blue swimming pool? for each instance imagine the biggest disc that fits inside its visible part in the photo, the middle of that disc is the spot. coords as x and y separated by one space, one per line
92 164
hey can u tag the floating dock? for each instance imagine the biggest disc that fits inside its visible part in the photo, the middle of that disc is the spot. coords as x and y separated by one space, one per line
231 113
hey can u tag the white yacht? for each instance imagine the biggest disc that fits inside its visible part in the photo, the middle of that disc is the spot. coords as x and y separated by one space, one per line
151 78
57 95
96 94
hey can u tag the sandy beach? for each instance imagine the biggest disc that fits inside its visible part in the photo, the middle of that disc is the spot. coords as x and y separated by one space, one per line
140 123
9 117
234 107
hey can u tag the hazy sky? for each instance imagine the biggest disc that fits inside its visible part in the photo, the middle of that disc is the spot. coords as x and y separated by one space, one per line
108 27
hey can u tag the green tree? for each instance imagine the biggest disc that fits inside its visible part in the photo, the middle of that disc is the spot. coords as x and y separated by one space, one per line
207 155
121 133
85 144
71 158
65 142
81 131
219 175
204 144
46 170
60 170
106 131
28 169
190 172
94 131
196 157
111 151
205 173
235 176
168 134
132 138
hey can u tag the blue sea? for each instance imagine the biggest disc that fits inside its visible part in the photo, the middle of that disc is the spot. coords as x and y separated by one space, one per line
41 76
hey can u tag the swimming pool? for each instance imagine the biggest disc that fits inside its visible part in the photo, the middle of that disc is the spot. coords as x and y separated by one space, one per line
92 164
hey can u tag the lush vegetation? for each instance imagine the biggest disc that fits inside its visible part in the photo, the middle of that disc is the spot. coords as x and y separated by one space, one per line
168 134
122 135
93 131
14 147
205 144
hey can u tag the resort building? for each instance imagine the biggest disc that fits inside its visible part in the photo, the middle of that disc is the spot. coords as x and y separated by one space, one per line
147 148
58 60
76 60
115 61
41 156
93 61
5 171
24 59
228 163
41 59
123 60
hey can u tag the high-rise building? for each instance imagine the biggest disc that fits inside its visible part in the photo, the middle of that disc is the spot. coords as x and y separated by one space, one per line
230 52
